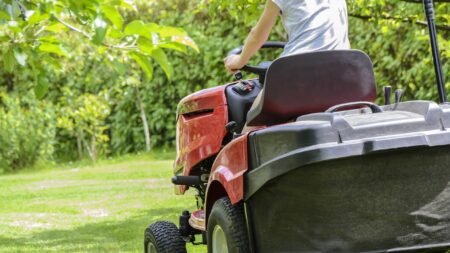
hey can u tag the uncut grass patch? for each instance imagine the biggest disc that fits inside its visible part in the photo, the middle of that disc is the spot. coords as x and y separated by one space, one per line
98 208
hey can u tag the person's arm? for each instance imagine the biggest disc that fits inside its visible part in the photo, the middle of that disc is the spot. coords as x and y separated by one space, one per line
255 39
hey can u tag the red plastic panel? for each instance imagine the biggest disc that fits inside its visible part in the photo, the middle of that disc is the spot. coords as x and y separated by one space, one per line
200 129
203 100
229 168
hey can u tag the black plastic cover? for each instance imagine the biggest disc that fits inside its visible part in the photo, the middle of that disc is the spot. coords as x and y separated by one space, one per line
352 181
312 82
240 102
324 136
369 203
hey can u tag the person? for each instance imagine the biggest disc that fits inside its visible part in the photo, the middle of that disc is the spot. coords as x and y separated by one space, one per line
311 25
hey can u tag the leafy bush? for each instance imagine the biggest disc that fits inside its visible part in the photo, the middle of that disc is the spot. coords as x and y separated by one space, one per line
83 118
40 41
401 54
27 131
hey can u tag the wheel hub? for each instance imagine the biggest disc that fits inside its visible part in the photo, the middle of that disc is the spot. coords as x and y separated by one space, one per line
151 248
219 240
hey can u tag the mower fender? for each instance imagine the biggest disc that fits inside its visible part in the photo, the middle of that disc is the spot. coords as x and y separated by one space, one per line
227 173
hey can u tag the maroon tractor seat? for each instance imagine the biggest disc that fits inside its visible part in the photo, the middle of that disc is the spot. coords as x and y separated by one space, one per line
312 82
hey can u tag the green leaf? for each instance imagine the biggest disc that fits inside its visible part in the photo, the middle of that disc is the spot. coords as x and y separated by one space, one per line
186 40
144 63
138 27
14 10
115 34
52 48
56 27
145 45
50 39
41 88
168 31
160 57
100 30
9 61
4 15
113 15
37 17
134 27
174 46
20 57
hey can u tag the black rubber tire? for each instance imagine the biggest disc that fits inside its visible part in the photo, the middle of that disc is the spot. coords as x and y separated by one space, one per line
231 219
165 237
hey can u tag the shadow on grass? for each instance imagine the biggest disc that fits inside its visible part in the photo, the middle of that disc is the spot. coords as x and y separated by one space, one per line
107 236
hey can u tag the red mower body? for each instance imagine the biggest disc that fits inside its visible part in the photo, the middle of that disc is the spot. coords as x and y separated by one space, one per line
201 118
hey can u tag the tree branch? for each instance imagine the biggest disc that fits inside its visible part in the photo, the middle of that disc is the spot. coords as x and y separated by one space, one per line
75 29
406 20
71 27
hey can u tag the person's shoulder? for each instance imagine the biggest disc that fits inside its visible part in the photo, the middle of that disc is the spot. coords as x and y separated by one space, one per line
285 5
280 3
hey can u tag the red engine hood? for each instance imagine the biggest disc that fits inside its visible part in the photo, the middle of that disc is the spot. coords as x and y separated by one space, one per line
203 100
201 120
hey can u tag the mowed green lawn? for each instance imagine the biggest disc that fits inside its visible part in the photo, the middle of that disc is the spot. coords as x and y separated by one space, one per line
101 208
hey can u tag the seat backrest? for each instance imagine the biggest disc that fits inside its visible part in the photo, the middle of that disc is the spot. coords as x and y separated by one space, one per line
312 82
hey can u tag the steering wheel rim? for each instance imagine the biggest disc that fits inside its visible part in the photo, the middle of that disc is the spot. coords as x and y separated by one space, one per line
255 69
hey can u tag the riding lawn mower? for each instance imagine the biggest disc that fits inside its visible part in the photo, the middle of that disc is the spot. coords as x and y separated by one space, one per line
313 165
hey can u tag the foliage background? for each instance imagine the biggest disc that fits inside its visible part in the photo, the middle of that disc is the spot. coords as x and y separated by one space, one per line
97 92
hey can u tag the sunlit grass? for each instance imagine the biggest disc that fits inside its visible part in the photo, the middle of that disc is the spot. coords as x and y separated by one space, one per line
96 208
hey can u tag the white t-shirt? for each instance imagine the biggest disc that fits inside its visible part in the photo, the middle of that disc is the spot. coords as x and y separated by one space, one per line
314 25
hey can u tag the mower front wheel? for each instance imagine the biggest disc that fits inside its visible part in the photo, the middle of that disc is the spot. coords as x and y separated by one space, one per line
163 237
226 231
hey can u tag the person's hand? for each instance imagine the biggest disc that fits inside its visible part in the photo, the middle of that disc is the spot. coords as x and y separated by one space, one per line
233 63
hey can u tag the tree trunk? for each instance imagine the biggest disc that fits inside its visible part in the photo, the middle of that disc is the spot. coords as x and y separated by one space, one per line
87 146
141 108
94 148
79 146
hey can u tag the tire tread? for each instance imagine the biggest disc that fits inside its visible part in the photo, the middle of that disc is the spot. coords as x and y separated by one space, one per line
165 237
234 215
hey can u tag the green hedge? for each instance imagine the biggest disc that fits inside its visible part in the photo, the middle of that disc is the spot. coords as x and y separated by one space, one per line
27 132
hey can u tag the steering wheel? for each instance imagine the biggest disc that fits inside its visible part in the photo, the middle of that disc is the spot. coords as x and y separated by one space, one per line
259 70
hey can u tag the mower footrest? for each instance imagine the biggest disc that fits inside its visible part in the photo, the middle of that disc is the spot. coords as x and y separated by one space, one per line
197 220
